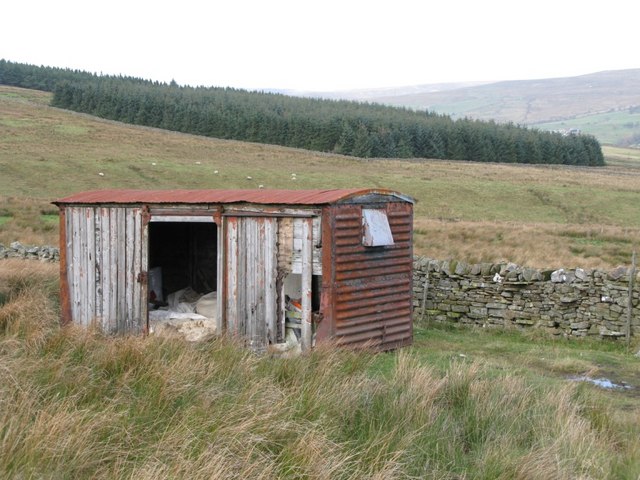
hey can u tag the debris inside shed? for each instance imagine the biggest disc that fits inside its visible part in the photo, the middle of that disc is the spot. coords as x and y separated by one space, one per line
185 313
182 257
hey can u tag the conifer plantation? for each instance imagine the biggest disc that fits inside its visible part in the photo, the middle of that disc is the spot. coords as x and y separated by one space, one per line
345 127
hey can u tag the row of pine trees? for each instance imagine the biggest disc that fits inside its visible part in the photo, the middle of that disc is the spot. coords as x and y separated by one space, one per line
350 128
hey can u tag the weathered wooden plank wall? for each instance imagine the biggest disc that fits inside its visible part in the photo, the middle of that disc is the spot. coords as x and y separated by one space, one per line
251 309
307 269
298 242
104 258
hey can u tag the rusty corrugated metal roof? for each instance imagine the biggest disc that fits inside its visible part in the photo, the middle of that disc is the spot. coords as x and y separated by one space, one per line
260 196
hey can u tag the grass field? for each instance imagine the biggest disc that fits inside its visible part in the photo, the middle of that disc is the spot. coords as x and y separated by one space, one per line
459 404
613 128
541 216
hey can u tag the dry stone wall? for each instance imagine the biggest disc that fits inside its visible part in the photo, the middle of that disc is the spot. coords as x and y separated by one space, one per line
565 302
45 253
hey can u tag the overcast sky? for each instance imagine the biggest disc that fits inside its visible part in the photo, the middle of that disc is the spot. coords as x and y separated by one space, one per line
324 45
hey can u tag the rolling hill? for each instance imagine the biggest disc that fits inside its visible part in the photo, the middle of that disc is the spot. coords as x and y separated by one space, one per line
604 104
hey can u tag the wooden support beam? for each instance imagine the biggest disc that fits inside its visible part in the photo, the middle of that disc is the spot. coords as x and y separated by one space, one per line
307 271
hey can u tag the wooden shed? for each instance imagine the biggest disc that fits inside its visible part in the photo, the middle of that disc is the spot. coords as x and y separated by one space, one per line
323 264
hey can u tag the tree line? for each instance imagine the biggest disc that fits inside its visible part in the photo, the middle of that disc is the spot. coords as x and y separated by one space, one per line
351 128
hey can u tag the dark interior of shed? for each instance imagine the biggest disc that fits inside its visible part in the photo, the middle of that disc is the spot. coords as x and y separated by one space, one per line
186 253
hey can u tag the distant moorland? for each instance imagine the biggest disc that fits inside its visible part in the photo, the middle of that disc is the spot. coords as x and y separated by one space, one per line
603 104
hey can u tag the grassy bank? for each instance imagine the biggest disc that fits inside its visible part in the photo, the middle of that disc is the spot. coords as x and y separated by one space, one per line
76 404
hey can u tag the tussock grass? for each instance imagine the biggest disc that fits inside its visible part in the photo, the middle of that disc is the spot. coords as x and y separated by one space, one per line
75 403
538 245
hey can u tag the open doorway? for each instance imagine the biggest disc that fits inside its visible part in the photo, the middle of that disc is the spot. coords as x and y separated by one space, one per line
182 282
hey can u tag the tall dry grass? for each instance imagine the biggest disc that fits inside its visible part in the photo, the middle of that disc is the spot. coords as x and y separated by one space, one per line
77 404
537 245
31 221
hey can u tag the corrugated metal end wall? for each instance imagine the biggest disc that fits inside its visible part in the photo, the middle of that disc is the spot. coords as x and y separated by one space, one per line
372 286
104 257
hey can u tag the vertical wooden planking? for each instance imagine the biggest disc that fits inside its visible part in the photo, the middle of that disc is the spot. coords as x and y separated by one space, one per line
248 281
307 270
270 262
83 266
97 238
232 276
241 278
130 278
285 243
296 263
74 251
89 255
121 261
283 255
317 242
105 270
221 280
246 288
137 270
113 271
258 307
144 261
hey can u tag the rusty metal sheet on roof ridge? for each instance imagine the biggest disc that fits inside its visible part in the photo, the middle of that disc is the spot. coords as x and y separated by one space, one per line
262 196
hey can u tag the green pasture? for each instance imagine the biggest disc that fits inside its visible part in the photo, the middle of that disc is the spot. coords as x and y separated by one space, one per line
612 128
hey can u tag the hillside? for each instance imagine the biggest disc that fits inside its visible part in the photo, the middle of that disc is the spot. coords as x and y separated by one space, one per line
533 215
358 129
572 102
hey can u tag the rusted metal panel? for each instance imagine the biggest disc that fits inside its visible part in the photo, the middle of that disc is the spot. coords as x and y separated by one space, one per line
325 330
259 196
65 302
371 295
